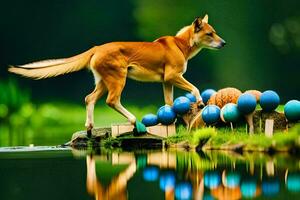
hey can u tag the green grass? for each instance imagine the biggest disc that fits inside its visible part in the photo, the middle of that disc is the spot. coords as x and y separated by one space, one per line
279 140
201 136
221 137
256 140
181 135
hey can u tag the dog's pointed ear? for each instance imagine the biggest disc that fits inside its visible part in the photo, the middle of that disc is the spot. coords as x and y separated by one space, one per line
205 19
198 24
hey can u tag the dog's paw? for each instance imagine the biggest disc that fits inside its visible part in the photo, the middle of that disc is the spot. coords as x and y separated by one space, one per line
139 128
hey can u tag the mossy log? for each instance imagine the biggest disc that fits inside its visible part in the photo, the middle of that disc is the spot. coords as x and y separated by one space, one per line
81 140
260 117
126 141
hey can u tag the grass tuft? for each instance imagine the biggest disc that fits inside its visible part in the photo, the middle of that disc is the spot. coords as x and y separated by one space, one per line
201 136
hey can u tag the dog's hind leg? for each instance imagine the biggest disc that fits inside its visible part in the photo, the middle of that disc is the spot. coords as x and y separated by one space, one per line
115 87
90 101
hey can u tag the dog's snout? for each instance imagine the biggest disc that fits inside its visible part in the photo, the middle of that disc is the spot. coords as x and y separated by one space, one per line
223 43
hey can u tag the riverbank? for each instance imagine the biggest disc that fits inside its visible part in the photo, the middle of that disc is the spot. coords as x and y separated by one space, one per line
237 140
221 138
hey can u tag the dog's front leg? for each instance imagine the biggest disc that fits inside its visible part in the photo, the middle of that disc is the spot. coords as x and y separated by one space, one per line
182 83
168 93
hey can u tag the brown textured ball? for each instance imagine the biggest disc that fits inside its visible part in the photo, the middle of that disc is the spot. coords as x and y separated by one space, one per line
224 96
256 93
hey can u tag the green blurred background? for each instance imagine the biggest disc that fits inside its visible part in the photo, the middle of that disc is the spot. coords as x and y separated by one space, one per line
262 52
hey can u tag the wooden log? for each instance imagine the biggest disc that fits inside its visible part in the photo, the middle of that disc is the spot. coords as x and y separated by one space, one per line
119 129
158 130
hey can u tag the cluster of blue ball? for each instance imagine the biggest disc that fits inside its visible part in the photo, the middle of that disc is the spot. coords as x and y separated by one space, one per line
246 104
211 114
167 181
214 179
166 115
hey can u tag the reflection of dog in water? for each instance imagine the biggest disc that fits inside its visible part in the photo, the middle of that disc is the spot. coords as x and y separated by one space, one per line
127 165
117 189
164 60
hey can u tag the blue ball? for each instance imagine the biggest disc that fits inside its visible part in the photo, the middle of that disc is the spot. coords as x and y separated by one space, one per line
212 179
232 179
246 103
248 188
166 115
181 105
269 100
230 113
206 94
167 181
150 173
292 110
191 97
211 114
270 187
150 120
293 182
183 191
208 197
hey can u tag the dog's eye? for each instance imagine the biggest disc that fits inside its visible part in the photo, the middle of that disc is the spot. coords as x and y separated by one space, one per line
209 34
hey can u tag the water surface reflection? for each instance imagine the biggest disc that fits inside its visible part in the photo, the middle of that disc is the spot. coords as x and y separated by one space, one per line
191 175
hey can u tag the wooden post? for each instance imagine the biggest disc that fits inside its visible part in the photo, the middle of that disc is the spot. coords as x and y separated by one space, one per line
269 127
231 126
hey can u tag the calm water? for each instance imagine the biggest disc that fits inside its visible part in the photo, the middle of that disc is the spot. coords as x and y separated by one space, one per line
50 173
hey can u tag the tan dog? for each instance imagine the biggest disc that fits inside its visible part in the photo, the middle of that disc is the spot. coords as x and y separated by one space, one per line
164 60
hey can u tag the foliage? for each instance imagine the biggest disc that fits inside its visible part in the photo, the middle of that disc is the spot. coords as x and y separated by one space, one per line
53 123
13 99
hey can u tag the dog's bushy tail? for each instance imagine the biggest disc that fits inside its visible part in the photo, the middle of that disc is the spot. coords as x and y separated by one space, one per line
55 67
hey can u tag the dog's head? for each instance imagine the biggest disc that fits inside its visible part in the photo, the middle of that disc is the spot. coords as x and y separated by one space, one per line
204 35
